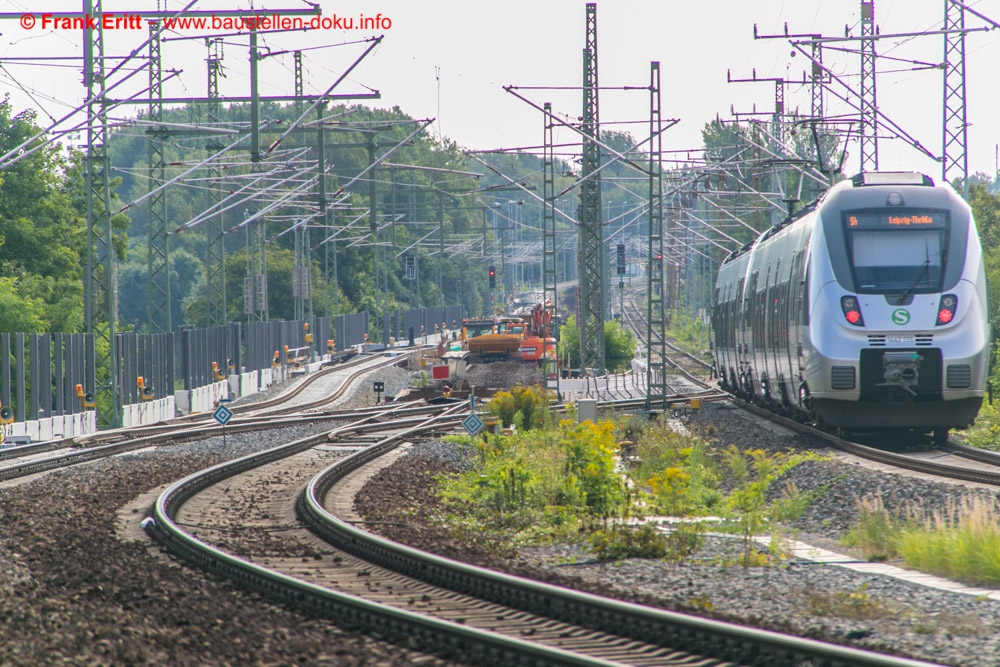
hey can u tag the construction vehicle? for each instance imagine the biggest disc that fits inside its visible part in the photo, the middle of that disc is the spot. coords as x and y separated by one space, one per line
488 340
538 342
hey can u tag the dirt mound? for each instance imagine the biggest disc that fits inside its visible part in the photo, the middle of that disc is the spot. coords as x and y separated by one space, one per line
500 374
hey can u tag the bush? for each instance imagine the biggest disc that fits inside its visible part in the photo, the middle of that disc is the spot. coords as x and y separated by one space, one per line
623 542
660 450
526 407
533 485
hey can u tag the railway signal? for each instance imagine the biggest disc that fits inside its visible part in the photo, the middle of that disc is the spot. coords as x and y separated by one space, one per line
493 277
621 259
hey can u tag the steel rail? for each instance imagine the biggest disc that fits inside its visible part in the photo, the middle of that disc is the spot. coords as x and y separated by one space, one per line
883 456
878 455
693 634
165 435
403 627
700 362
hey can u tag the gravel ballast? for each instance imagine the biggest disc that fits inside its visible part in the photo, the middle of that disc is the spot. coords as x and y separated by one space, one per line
74 589
801 597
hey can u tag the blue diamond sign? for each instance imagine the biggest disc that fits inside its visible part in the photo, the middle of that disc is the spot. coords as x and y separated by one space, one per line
473 424
224 414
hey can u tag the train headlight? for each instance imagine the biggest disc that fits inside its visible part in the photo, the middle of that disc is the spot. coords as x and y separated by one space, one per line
946 311
852 310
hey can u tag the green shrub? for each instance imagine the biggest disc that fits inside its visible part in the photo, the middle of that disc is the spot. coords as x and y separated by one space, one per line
620 542
524 407
985 432
534 484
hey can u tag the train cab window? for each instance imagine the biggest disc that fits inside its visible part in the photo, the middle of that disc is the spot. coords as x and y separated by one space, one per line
897 252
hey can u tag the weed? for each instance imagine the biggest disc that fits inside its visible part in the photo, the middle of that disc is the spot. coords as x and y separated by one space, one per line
793 504
856 605
670 489
962 625
620 541
701 603
738 466
960 541
876 532
663 452
684 541
524 407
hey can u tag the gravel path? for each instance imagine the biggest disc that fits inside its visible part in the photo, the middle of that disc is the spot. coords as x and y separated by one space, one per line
809 599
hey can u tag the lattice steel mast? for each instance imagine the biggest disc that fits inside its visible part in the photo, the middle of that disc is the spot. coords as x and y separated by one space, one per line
955 157
100 305
550 281
869 96
591 230
656 358
158 244
215 256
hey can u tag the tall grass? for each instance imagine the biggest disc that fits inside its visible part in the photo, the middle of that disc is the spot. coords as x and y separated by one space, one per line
876 532
960 542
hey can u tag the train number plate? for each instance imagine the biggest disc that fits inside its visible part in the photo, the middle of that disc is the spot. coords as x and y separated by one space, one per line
906 340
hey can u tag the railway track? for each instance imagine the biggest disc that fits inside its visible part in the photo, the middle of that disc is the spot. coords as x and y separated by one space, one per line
964 463
40 457
417 599
621 633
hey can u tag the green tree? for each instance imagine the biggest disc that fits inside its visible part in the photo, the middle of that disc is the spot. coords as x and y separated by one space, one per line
619 344
42 230
17 312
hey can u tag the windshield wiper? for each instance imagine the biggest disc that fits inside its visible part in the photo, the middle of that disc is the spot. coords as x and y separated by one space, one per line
924 270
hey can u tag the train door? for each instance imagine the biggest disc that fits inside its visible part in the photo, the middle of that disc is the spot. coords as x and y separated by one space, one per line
793 297
761 363
718 325
742 303
773 332
732 334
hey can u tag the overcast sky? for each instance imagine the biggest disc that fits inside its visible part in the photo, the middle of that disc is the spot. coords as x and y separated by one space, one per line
450 59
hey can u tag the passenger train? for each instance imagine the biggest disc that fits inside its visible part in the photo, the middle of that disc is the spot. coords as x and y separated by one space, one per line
868 310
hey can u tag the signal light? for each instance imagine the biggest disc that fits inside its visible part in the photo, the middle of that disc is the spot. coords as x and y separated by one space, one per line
946 310
852 310
493 277
219 375
329 346
86 398
145 393
6 415
277 359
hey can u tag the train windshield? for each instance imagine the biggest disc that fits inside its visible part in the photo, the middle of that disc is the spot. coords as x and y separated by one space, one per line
897 253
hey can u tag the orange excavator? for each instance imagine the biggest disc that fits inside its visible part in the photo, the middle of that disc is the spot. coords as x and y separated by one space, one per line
492 340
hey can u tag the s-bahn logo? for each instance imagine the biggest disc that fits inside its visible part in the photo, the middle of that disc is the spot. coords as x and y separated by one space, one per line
900 316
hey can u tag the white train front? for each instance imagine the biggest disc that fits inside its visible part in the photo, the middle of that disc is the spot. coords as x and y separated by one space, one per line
867 311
